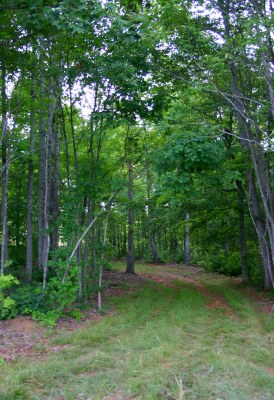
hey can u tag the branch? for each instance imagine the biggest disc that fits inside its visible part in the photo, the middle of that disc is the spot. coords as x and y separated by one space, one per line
84 234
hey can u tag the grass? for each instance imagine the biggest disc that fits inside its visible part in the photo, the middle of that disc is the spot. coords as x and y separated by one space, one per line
159 343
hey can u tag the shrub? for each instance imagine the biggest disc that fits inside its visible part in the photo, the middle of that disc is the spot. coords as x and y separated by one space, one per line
28 298
7 304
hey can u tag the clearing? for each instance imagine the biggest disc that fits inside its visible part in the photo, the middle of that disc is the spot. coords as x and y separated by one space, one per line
171 332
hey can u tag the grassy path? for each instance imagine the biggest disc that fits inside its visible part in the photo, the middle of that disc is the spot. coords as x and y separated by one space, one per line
177 335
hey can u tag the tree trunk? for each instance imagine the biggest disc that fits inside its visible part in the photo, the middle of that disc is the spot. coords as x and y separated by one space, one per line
261 231
29 250
130 257
263 217
4 146
54 188
186 241
43 236
243 248
152 241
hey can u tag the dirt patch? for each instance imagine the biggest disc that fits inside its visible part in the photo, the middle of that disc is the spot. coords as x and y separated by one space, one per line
23 338
261 301
111 278
22 325
119 395
159 279
18 337
187 279
217 303
214 301
120 283
270 371
169 279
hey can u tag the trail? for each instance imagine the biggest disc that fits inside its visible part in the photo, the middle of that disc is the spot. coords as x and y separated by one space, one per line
23 338
169 332
171 279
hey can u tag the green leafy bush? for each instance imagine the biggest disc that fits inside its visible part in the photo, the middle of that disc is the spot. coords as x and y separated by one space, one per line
47 318
7 304
62 295
28 298
221 261
74 313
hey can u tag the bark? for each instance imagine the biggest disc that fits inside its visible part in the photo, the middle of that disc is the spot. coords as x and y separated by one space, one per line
186 241
4 175
243 248
266 45
261 231
152 241
101 267
130 257
54 188
72 129
64 131
263 217
43 236
29 244
119 251
124 249
45 168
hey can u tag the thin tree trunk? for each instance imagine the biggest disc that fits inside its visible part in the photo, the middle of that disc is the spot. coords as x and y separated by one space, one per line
42 191
64 130
72 129
152 241
84 234
243 248
101 267
130 257
54 189
4 174
29 250
261 231
43 237
186 241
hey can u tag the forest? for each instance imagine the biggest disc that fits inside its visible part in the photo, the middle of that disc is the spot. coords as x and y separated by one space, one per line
137 200
135 130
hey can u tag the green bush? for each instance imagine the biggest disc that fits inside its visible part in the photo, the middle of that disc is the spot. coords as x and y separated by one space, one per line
221 261
47 318
7 304
28 298
62 295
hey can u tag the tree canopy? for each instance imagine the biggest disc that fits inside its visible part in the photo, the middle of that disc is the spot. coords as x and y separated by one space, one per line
139 129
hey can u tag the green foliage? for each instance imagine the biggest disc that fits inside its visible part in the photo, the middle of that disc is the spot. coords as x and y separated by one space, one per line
6 281
7 304
2 362
74 313
47 318
221 261
107 266
47 305
62 295
28 298
157 73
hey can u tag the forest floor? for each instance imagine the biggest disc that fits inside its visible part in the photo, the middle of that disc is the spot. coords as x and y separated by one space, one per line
169 332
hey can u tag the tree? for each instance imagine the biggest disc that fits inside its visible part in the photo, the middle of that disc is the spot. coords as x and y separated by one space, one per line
221 53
